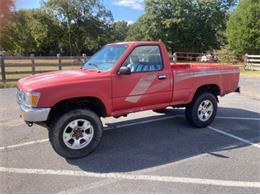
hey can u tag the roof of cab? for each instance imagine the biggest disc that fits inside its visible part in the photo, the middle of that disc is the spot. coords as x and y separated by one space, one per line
136 43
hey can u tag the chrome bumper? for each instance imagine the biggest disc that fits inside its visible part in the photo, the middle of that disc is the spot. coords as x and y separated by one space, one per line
34 114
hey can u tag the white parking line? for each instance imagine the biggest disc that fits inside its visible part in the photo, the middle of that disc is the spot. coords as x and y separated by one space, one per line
234 137
168 179
104 182
23 144
238 118
144 122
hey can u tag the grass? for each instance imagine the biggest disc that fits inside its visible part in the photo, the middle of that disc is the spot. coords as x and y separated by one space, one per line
250 73
8 85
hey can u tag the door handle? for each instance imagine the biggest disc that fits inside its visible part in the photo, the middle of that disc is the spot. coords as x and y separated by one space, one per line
162 77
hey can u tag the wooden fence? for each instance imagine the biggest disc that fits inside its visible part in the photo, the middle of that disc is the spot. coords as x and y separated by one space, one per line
16 67
252 62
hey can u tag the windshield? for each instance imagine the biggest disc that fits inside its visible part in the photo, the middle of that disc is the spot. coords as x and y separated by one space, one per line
105 58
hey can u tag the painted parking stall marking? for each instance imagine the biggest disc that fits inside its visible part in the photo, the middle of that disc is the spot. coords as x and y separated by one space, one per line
234 137
23 144
238 118
168 179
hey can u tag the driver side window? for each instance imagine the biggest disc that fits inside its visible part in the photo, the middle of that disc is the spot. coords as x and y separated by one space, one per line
144 59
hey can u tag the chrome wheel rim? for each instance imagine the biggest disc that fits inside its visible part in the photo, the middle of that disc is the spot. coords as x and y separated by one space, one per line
78 134
205 110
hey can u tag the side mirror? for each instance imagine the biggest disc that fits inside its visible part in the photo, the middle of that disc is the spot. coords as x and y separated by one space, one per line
124 70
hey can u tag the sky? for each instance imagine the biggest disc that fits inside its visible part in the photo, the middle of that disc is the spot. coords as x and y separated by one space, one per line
128 10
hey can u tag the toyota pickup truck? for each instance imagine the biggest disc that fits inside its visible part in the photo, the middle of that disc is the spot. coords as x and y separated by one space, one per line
119 79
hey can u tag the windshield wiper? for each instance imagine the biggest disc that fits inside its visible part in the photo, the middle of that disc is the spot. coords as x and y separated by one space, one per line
94 65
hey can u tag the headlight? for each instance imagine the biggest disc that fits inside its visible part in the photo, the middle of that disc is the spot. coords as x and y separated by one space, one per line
20 97
29 99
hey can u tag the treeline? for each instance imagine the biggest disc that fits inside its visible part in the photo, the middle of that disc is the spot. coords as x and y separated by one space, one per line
73 27
201 25
69 27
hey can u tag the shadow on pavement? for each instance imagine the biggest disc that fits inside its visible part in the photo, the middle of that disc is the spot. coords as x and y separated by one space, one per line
157 143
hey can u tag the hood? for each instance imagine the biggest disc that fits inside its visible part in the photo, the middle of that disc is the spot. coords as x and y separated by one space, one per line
55 78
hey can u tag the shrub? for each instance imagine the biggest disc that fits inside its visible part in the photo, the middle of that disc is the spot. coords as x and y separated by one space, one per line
227 56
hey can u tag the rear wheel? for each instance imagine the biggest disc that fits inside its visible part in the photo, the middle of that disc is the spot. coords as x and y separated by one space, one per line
202 111
76 133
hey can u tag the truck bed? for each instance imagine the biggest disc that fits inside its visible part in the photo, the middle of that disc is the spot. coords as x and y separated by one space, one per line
189 77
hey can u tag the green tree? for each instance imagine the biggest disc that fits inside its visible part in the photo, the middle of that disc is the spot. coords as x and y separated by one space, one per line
33 31
120 30
86 24
144 29
184 25
243 28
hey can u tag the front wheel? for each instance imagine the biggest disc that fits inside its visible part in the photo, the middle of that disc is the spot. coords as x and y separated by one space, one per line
76 133
202 111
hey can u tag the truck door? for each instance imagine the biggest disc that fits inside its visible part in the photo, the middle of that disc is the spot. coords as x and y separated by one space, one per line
147 86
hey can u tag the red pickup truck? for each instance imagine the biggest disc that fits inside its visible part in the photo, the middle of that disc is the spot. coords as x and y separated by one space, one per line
119 79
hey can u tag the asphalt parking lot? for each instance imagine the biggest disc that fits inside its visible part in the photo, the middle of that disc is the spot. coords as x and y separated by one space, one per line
143 153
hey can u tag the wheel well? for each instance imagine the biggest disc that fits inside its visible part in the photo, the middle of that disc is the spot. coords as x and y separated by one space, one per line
91 103
214 89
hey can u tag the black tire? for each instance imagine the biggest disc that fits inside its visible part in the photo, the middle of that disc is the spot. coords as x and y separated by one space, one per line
58 127
161 111
192 113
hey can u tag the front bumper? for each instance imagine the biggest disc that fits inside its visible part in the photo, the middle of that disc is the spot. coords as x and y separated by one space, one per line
34 114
